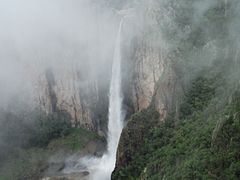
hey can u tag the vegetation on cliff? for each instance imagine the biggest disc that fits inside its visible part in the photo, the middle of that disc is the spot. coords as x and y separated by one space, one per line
204 144
201 138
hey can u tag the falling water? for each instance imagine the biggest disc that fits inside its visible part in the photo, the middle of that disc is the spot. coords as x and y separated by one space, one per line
104 167
115 124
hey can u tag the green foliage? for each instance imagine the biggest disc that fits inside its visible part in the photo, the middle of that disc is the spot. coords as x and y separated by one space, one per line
205 142
25 165
48 127
25 130
137 132
75 141
201 146
198 97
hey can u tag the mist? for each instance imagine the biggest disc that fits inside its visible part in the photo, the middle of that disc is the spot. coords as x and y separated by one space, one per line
37 35
44 42
71 43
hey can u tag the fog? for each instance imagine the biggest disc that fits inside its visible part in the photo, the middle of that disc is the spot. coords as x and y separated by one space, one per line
36 35
80 35
75 39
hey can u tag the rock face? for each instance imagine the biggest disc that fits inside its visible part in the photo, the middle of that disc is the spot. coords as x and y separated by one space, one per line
148 68
153 80
63 92
75 91
156 92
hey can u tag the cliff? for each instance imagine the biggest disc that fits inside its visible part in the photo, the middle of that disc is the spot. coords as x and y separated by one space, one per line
62 91
156 93
181 94
149 78
75 90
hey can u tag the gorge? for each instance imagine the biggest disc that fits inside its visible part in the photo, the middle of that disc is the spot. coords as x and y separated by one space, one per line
87 96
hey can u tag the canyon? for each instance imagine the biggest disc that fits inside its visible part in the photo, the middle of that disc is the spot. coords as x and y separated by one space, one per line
156 97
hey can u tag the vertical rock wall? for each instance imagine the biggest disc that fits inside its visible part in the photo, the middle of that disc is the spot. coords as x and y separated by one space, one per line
148 68
153 79
73 91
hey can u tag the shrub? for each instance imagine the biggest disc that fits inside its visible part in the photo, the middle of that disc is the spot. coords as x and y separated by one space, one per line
49 127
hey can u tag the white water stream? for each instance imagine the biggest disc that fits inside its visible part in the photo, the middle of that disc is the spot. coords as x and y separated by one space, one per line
102 168
115 118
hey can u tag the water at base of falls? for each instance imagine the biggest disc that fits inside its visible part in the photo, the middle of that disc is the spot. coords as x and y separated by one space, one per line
102 168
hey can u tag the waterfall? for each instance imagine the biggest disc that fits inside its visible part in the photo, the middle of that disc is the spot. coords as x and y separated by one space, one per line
115 118
104 166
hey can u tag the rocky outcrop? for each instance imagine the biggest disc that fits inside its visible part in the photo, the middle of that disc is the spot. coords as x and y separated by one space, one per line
148 68
168 93
73 90
154 80
156 93
165 99
61 92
